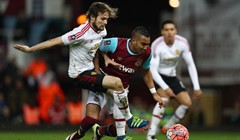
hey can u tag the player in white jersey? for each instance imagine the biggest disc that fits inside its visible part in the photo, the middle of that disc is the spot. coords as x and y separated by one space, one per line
83 42
167 50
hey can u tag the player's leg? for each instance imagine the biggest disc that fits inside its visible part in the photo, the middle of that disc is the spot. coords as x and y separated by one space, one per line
111 129
120 123
106 130
181 95
113 83
122 103
185 102
112 86
94 104
157 115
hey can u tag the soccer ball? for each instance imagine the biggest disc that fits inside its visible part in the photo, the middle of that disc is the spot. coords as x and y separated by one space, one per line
177 132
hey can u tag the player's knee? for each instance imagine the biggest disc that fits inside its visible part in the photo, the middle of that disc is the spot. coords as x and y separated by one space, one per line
188 103
118 84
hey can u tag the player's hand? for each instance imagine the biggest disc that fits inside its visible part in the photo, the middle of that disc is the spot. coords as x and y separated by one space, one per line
169 92
197 94
158 99
22 48
112 62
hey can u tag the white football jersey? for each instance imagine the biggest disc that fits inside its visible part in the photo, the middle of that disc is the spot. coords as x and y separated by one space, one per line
165 60
83 43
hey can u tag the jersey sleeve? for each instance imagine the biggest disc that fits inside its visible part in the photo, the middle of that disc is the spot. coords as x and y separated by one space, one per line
146 64
72 36
109 45
154 64
187 56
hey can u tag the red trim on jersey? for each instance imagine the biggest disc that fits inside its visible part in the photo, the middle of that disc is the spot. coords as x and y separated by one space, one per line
157 116
83 31
119 120
123 107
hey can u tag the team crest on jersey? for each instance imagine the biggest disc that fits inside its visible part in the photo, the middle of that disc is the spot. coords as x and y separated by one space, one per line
177 52
138 62
71 37
107 42
93 73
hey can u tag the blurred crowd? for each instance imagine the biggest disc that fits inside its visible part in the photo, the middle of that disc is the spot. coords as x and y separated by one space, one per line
40 92
33 94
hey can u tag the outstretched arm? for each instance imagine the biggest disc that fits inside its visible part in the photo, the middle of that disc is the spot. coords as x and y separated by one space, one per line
193 74
148 79
43 45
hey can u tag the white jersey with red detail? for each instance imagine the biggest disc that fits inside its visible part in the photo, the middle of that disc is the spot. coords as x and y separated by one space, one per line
165 60
83 42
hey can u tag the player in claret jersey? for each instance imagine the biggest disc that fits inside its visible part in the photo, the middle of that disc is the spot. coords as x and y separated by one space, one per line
123 57
83 42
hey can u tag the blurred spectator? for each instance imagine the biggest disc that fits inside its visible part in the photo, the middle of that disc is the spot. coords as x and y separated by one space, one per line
75 112
17 97
12 10
40 13
38 23
233 113
31 114
36 68
4 109
57 112
48 89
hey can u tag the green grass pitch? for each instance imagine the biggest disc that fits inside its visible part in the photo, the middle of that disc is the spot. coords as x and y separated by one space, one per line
60 135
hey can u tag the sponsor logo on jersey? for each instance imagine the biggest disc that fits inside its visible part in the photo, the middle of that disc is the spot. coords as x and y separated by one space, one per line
107 42
125 69
138 62
173 59
71 37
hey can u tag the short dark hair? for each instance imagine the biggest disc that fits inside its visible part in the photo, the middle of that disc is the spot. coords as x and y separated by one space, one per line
140 30
167 22
101 7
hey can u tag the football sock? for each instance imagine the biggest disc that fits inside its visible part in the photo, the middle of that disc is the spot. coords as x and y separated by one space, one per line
179 114
108 130
87 123
156 118
120 121
122 102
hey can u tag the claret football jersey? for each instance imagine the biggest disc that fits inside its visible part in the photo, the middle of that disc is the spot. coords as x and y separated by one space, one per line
118 49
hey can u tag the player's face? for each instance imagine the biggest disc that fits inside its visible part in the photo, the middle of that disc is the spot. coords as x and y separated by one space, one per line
99 22
140 44
169 31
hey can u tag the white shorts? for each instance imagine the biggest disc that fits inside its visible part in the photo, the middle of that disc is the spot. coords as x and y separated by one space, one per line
102 99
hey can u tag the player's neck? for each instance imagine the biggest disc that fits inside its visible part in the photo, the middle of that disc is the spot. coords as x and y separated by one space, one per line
130 47
169 42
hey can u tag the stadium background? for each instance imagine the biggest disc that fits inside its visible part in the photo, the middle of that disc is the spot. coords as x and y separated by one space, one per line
213 30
